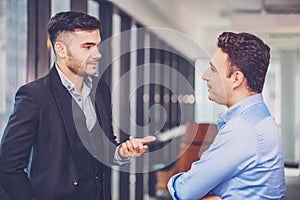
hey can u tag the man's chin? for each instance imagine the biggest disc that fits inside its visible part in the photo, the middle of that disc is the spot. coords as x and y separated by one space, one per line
212 99
92 73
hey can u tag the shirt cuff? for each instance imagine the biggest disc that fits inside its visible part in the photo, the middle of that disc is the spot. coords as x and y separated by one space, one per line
118 159
171 185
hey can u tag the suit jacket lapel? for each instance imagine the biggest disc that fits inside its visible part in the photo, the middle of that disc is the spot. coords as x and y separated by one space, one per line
63 99
99 104
64 102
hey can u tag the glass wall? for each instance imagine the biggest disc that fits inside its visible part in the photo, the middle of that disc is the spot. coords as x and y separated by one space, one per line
93 8
13 52
58 6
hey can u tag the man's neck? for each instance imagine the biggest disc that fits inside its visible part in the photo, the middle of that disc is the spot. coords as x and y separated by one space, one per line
239 96
76 79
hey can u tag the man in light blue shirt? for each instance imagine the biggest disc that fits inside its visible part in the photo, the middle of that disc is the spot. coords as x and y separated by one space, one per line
245 160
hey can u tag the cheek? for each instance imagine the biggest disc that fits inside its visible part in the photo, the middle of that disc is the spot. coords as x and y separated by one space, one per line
79 55
218 85
80 60
215 80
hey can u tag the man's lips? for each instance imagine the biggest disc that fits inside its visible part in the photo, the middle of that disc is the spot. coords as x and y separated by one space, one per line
208 88
93 63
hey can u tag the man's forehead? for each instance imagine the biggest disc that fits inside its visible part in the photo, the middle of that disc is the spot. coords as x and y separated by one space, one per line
88 35
85 30
219 59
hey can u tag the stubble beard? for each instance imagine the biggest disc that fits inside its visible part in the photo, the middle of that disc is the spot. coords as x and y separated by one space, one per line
75 66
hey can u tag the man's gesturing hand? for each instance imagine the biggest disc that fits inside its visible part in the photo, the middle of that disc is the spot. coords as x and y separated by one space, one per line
134 147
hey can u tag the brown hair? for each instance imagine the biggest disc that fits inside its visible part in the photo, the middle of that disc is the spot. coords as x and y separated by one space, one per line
248 54
69 22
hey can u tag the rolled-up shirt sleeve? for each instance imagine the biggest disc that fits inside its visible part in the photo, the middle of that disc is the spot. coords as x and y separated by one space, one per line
171 185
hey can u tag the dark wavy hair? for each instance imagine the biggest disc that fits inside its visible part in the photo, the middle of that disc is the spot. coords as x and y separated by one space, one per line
248 54
71 21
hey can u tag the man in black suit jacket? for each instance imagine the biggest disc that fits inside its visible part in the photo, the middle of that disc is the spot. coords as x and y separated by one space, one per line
59 142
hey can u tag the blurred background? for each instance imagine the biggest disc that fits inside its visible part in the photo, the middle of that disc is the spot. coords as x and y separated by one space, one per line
179 34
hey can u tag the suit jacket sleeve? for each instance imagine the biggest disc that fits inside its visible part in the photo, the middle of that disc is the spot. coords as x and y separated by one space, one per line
16 146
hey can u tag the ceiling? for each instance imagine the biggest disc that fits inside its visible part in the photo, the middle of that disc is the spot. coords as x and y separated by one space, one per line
192 26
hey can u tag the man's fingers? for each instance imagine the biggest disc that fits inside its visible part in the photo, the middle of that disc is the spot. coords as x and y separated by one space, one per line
133 142
135 147
123 151
147 139
129 145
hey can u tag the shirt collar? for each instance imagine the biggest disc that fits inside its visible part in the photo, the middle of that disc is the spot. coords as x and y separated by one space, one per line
88 81
239 108
71 86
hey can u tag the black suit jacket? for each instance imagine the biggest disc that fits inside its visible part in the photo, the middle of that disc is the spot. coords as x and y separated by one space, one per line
39 138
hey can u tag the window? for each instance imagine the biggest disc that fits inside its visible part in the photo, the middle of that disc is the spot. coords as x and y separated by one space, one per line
58 6
93 8
13 54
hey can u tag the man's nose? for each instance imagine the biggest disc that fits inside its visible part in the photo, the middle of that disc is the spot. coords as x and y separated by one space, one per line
205 76
96 53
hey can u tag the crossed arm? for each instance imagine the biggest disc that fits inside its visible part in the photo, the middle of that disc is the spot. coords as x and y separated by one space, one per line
135 147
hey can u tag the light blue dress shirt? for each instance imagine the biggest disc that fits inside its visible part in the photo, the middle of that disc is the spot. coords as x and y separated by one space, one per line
245 161
85 103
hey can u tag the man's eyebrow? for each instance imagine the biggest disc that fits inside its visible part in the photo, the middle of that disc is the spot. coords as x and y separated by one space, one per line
212 65
88 43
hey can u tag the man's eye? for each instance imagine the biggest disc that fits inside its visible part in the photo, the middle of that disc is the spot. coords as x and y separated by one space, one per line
87 47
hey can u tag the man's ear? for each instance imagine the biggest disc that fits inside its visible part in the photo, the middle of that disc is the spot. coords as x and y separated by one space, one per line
238 79
60 49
